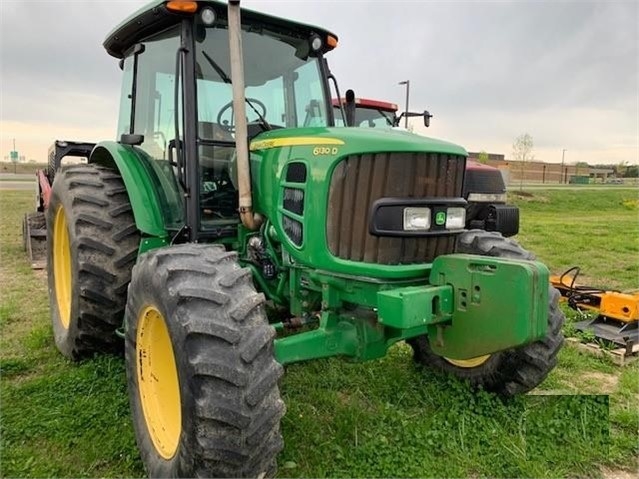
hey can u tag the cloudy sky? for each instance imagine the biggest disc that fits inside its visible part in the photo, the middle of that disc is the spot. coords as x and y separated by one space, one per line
567 73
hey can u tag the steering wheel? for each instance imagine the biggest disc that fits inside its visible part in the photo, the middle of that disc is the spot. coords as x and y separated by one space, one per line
229 105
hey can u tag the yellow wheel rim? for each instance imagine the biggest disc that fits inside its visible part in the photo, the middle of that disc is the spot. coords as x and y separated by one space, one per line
469 363
158 382
62 266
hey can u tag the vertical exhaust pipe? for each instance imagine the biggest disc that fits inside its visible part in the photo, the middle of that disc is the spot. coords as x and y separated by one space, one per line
249 219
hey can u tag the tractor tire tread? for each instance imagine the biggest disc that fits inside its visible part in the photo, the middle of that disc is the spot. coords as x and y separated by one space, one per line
233 385
104 261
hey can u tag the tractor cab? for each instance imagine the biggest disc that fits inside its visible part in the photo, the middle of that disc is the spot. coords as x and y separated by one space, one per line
177 99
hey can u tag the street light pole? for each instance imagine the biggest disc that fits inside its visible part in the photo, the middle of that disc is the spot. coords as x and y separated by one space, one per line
407 83
563 152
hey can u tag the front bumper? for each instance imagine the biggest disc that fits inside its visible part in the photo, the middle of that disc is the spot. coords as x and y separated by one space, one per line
473 306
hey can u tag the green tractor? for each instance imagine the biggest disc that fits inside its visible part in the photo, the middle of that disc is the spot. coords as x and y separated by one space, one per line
232 230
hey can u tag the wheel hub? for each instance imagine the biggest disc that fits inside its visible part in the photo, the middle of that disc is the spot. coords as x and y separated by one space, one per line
158 383
62 266
469 363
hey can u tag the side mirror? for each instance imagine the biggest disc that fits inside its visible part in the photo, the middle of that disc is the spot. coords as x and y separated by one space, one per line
427 117
131 139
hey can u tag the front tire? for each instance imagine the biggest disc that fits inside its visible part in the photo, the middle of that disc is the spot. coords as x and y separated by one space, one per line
202 378
92 244
511 372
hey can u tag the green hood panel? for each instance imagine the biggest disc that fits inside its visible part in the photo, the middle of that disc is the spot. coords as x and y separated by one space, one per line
359 140
320 150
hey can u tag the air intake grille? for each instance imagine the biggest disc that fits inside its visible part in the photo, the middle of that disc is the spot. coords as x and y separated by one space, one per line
293 229
296 172
359 180
293 202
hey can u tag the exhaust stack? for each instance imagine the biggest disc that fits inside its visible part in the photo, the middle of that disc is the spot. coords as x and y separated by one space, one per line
249 219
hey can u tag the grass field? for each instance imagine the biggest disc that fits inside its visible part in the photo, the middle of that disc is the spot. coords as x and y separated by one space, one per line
21 168
380 419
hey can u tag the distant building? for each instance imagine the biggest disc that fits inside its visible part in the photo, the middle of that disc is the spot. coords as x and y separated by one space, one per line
541 172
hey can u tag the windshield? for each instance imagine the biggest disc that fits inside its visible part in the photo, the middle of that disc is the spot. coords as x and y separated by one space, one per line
283 83
284 89
367 117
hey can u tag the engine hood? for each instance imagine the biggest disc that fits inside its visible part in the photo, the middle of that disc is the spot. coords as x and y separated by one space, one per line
354 140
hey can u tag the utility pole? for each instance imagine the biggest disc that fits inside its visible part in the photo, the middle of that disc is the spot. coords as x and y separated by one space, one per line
407 83
561 178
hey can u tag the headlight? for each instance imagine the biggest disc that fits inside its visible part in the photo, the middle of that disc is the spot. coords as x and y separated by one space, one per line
455 218
208 16
487 197
316 43
416 219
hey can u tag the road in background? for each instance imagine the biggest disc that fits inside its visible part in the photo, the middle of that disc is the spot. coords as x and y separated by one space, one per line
9 181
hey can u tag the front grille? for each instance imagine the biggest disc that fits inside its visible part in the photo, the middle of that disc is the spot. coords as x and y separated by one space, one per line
359 180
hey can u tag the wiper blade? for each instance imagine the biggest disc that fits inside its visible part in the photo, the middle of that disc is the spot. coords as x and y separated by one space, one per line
262 119
226 79
390 122
218 69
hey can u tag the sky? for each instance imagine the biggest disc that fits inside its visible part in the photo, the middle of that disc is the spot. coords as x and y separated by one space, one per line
567 73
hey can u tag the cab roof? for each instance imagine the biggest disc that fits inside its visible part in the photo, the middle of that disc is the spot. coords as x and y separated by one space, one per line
155 17
369 104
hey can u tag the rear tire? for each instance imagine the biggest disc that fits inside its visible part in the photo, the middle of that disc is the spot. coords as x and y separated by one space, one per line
220 417
92 244
511 372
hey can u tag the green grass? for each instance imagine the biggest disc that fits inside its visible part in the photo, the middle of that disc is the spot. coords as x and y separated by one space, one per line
385 418
21 168
596 230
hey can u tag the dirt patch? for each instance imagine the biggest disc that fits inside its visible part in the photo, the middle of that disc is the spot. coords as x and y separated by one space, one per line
606 383
522 194
529 197
617 473
344 398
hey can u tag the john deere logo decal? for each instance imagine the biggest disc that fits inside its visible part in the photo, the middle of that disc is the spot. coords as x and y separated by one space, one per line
440 218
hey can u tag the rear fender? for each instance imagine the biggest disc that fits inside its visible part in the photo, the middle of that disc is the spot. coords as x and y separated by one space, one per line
139 179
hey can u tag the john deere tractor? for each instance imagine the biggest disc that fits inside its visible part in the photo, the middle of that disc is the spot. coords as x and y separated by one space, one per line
232 230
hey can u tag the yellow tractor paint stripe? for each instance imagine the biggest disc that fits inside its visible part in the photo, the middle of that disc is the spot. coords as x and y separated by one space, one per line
294 141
